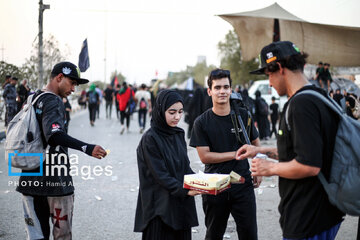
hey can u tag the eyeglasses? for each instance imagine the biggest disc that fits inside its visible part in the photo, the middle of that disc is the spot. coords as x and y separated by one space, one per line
218 72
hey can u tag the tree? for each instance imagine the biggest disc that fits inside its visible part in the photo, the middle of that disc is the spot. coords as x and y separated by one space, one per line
9 69
51 55
121 78
198 72
231 59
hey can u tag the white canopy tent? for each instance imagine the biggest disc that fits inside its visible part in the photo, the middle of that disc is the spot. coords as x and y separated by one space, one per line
337 45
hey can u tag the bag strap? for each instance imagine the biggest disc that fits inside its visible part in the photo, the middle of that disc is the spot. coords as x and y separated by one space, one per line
327 100
37 97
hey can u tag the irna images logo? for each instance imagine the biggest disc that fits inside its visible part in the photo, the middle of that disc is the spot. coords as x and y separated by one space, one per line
54 164
19 160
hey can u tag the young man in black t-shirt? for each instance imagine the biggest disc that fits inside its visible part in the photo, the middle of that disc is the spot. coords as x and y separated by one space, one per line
215 140
304 148
51 195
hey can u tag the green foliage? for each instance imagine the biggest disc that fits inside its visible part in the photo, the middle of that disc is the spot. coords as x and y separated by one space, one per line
10 69
230 54
121 78
198 72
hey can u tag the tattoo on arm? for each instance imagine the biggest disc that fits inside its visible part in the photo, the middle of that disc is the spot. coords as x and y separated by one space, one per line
273 155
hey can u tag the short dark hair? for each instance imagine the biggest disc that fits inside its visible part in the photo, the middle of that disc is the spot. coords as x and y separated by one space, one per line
216 74
320 63
143 86
293 63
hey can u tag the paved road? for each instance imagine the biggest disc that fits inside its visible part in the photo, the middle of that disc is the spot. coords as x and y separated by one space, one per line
105 205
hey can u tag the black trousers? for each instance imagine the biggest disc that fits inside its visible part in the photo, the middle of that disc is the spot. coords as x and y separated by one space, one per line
158 230
123 116
273 127
240 202
108 108
142 117
92 112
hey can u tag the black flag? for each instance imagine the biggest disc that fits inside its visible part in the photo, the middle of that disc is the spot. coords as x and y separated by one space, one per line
84 62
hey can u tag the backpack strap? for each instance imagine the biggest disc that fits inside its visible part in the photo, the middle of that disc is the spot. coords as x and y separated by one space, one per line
326 100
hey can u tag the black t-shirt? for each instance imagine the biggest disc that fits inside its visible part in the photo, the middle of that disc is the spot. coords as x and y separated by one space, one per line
274 107
50 113
109 93
217 132
304 207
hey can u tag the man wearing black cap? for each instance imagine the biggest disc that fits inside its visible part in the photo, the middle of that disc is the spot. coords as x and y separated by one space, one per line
10 100
53 196
305 146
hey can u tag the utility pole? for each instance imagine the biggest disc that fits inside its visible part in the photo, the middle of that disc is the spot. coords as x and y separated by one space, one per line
42 8
2 52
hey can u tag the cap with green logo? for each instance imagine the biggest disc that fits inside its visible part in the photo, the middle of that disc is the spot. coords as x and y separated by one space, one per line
274 52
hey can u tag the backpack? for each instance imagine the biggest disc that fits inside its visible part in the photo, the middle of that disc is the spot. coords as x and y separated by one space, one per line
263 107
23 138
356 109
142 104
345 169
93 98
130 106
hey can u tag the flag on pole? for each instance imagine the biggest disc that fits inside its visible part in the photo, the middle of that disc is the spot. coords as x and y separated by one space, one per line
84 62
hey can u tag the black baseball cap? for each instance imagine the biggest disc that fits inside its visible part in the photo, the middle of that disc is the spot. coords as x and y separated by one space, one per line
69 70
274 52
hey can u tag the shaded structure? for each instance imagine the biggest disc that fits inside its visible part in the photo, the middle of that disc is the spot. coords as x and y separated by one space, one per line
338 45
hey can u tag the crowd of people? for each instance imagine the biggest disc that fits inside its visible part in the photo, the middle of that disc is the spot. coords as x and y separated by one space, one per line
165 210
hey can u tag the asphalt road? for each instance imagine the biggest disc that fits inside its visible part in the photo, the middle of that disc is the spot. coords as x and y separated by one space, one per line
105 205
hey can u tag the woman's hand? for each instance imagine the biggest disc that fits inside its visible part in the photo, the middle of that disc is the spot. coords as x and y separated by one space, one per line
194 193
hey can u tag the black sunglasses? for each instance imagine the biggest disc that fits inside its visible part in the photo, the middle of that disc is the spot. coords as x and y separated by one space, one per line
218 72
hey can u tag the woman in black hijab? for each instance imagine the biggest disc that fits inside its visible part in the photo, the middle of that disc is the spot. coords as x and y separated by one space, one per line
165 210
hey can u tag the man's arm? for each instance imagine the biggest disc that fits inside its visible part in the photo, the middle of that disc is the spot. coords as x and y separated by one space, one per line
62 139
289 170
249 151
208 157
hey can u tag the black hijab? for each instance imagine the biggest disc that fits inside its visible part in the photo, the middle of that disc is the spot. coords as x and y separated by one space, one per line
163 101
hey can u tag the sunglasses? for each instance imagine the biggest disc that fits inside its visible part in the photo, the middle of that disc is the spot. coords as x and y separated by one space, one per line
219 72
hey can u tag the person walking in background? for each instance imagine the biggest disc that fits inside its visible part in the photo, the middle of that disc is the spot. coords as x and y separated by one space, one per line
109 99
165 210
82 99
67 106
317 74
305 143
143 100
261 116
23 92
325 76
99 92
93 100
123 98
116 93
274 116
9 96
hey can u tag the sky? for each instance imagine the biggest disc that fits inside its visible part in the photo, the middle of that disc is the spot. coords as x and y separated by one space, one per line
140 38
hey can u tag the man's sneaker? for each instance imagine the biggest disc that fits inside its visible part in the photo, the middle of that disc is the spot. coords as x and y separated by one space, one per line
141 130
122 130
